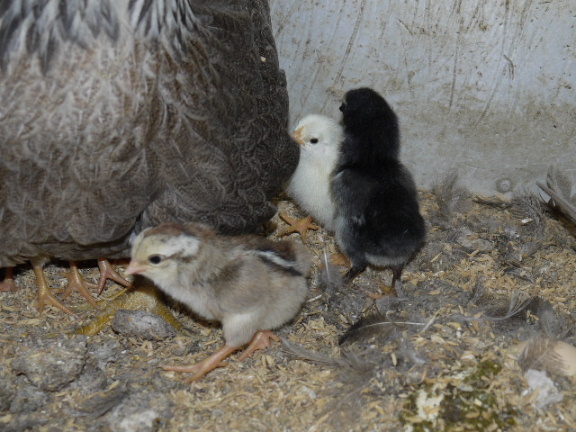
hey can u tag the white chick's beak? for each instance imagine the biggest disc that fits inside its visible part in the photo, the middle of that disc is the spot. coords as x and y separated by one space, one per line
134 268
297 136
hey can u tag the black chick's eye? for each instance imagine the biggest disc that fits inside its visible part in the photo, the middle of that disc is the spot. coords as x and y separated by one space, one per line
314 140
155 259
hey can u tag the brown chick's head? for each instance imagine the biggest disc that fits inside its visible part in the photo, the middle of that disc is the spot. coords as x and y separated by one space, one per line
247 283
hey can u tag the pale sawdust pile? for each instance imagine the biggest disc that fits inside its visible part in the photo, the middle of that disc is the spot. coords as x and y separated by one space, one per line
492 274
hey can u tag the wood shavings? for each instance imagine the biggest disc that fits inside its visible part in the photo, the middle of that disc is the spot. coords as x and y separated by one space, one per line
458 358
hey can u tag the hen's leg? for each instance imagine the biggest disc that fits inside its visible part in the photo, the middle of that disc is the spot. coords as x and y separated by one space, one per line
44 295
77 282
8 284
107 272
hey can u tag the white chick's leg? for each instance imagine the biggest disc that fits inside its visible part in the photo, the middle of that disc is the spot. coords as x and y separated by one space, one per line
107 272
297 225
205 366
77 282
261 340
44 295
8 284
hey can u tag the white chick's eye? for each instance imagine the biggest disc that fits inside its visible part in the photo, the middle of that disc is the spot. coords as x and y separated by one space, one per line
314 141
155 259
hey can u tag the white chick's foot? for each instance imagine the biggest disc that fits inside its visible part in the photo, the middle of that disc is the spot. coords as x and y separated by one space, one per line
260 341
78 283
341 260
207 365
297 225
108 273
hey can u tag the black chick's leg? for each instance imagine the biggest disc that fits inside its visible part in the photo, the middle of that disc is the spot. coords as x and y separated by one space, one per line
353 272
396 282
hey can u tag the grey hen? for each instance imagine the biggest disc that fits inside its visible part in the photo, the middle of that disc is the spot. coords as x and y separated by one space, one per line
118 115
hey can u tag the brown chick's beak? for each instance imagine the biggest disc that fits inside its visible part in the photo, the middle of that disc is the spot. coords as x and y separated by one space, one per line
133 268
297 136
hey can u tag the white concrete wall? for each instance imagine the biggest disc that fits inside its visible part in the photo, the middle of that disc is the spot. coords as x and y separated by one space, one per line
484 86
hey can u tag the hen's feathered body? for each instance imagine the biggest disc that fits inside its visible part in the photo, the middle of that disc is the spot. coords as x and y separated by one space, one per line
120 114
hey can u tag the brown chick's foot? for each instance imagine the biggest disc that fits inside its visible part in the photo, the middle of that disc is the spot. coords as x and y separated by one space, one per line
205 366
8 284
108 273
297 225
78 283
261 340
44 295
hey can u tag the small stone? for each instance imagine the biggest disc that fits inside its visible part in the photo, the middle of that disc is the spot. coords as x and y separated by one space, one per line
28 399
51 364
475 244
140 412
7 388
100 402
142 324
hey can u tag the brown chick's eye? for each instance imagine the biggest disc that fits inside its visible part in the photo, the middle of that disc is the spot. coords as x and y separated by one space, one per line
155 259
314 140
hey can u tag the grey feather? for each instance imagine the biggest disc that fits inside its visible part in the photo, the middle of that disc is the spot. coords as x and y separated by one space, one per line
560 190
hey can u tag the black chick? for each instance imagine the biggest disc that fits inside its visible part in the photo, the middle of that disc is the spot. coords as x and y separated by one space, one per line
378 219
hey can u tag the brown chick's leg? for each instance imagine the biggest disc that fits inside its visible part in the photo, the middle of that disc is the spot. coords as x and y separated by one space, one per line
261 340
205 366
297 225
78 283
107 272
44 295
8 284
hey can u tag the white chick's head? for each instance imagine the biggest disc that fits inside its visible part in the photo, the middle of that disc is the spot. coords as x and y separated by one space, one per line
318 134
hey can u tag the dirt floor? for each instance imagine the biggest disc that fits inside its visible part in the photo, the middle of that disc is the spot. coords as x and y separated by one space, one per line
445 356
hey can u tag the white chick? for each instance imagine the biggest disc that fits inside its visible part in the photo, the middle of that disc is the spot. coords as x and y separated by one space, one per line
378 219
248 283
319 138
